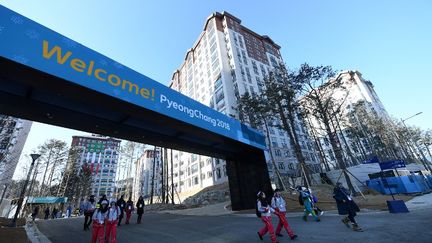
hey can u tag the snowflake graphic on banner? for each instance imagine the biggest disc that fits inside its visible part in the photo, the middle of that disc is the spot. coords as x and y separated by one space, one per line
17 19
69 42
21 59
32 34
103 62
1 29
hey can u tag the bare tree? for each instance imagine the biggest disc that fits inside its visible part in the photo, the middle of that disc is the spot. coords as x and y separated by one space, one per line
319 101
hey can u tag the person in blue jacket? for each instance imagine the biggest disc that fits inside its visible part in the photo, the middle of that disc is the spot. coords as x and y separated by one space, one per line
346 206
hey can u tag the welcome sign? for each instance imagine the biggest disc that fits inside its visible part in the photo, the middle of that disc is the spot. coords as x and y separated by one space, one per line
29 43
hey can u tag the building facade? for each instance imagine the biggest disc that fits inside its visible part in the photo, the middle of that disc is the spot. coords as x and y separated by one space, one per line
356 92
13 135
144 178
101 155
226 61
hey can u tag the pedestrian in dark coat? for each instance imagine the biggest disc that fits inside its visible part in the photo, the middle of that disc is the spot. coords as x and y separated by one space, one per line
35 213
140 208
346 206
122 205
47 213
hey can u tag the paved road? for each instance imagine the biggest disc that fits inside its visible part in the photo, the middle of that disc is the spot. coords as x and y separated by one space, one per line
379 227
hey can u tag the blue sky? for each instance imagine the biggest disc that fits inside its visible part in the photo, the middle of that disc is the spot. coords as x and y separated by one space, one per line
389 42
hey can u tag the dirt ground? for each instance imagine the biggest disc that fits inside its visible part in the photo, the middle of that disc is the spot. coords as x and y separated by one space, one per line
324 193
8 234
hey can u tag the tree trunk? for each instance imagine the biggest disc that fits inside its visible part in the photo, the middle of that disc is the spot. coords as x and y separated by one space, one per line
290 129
46 169
354 161
336 149
51 174
322 156
281 184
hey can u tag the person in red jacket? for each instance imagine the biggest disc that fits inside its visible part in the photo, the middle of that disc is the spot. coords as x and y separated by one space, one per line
278 203
111 223
129 209
99 222
264 212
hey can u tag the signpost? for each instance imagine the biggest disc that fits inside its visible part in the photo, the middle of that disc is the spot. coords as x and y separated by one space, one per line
394 206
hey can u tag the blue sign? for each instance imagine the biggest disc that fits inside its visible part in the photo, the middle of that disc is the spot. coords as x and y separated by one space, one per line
371 161
29 43
392 164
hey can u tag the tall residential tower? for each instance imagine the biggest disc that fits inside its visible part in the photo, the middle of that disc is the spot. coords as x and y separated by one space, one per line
226 61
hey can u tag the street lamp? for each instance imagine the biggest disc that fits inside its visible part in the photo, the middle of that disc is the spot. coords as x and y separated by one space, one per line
424 161
21 198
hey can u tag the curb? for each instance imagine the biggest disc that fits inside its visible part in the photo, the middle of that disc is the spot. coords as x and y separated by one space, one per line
33 233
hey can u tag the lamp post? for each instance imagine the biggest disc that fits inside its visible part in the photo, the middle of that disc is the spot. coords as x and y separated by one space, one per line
21 198
424 161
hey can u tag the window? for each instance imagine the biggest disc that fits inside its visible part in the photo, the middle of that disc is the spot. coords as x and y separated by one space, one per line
255 67
278 153
194 168
219 96
273 61
217 84
195 180
209 174
281 166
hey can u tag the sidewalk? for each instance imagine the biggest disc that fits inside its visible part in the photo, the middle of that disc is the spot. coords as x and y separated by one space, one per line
210 210
419 202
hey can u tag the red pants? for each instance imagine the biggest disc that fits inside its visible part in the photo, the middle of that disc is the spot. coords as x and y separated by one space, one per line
268 227
283 222
98 232
111 231
128 216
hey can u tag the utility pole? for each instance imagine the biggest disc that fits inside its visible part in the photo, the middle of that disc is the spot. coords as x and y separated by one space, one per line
423 160
21 198
153 175
162 175
172 178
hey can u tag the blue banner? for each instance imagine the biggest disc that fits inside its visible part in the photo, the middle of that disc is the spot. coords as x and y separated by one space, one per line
392 164
29 43
371 161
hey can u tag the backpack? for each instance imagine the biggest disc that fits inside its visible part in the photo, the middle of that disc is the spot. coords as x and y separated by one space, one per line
257 212
314 199
300 199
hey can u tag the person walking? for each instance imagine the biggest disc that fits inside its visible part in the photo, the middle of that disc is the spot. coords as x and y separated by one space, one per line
140 209
103 198
81 207
129 209
69 211
264 212
54 213
47 213
111 223
346 206
35 213
279 205
122 204
89 208
98 229
306 201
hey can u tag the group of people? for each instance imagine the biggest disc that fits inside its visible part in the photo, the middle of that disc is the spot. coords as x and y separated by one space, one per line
277 206
106 216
